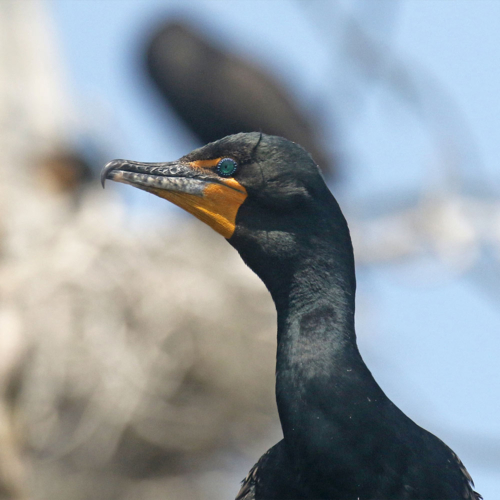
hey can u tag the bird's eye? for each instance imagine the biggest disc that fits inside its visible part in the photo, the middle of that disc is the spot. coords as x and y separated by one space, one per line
226 167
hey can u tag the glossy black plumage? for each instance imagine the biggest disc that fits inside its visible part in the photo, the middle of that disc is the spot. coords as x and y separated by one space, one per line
343 438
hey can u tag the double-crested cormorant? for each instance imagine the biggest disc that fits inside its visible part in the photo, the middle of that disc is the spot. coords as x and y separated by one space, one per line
343 438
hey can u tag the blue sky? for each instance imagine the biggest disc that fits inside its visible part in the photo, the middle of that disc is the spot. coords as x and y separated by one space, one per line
434 349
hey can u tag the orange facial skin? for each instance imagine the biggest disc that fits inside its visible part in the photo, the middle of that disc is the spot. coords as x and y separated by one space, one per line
217 207
212 199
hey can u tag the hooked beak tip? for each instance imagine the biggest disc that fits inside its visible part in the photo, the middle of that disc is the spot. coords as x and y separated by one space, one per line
112 165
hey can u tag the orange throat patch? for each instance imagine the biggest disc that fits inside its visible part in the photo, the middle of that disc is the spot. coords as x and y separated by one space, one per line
217 207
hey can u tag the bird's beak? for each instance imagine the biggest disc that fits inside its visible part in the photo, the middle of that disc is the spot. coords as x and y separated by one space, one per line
193 186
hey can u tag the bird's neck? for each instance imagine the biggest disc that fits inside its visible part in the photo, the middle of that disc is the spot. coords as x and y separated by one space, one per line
324 391
323 386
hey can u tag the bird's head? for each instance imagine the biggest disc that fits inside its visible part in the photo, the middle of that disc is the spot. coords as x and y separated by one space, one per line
263 193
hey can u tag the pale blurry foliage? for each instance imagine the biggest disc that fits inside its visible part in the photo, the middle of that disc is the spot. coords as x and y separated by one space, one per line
144 352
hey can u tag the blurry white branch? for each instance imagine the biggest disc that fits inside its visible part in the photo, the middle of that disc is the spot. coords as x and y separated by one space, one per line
445 232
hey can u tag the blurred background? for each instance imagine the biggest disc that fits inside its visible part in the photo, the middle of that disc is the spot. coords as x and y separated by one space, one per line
136 350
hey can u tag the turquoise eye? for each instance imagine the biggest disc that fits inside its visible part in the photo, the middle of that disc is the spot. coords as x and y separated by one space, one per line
226 167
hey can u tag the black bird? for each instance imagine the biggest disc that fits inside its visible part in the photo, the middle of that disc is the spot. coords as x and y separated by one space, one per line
343 438
199 79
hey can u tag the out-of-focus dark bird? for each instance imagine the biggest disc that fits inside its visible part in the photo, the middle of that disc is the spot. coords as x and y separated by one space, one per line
343 438
217 93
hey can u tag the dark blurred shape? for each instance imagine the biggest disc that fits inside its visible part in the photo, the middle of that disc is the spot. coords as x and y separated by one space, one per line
65 171
219 94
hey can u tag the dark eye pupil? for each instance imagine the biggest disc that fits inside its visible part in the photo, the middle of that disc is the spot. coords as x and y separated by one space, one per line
226 167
